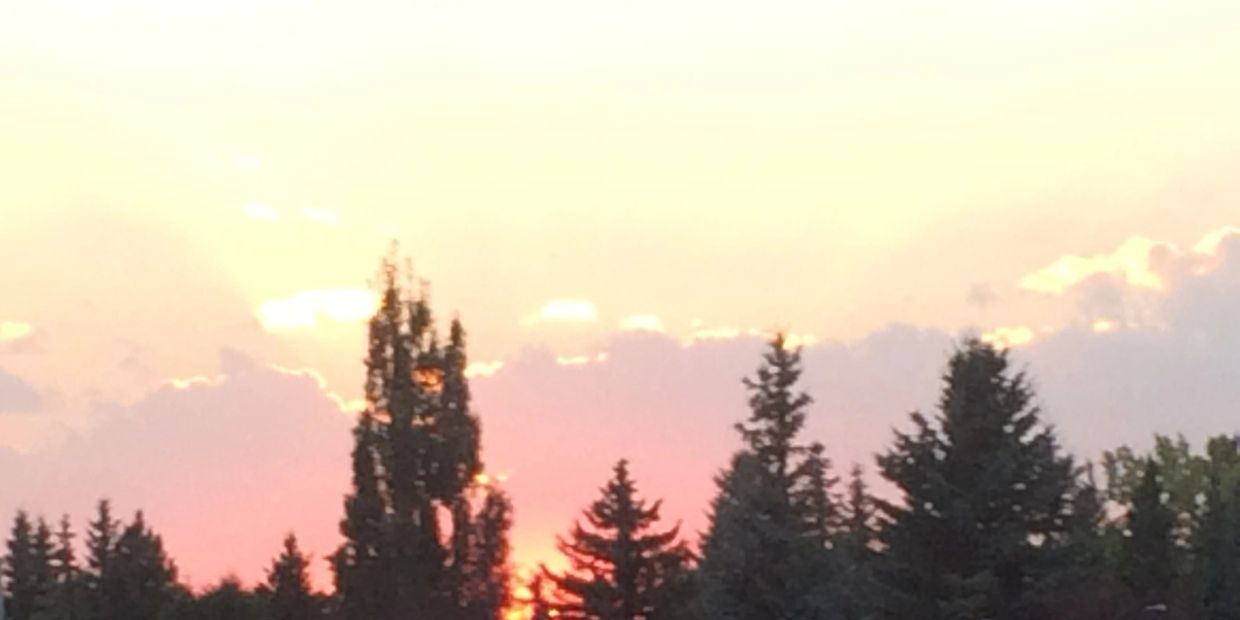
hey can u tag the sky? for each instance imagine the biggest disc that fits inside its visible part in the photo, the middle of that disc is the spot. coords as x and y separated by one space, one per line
620 201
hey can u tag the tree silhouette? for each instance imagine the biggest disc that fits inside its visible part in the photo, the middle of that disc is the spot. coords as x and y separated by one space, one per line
621 567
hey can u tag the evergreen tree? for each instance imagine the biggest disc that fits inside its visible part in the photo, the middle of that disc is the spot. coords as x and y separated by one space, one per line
985 499
28 572
68 597
1147 559
489 571
765 557
228 600
144 576
855 543
620 565
540 608
288 592
100 579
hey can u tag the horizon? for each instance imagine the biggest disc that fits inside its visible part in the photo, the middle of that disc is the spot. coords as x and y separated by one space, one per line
621 204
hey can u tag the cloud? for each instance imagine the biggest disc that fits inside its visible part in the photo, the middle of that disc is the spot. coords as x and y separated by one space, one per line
305 309
563 310
642 322
16 395
981 296
223 467
1008 337
1139 262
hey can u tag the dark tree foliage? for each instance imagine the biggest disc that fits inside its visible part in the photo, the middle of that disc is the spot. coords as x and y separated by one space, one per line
67 600
416 457
488 593
856 546
985 498
765 555
141 579
226 600
621 567
539 607
29 576
1146 562
288 593
1216 540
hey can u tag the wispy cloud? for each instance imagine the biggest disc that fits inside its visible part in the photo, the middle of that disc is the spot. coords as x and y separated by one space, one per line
306 309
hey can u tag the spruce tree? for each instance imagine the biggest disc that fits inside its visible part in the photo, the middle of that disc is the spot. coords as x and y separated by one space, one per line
145 576
67 599
99 578
855 544
288 592
984 492
620 565
540 608
765 555
28 573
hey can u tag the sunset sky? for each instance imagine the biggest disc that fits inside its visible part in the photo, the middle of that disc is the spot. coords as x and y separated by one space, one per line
620 199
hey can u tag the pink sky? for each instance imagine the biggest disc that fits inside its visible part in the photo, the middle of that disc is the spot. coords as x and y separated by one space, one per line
194 197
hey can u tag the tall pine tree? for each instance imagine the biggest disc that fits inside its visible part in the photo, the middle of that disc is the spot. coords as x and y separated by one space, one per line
621 566
28 571
288 592
765 555
985 491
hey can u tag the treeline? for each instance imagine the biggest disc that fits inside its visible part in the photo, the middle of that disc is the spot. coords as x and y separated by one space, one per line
983 515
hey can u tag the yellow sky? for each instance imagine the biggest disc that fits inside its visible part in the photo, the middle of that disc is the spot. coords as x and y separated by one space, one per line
739 164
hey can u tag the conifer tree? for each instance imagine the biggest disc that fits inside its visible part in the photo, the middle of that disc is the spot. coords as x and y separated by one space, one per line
144 575
99 577
855 543
288 592
1146 562
764 556
228 600
540 608
985 490
620 564
28 572
67 600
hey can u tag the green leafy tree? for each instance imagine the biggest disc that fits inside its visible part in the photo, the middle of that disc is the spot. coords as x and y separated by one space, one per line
1216 540
1147 561
620 565
985 492
765 555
